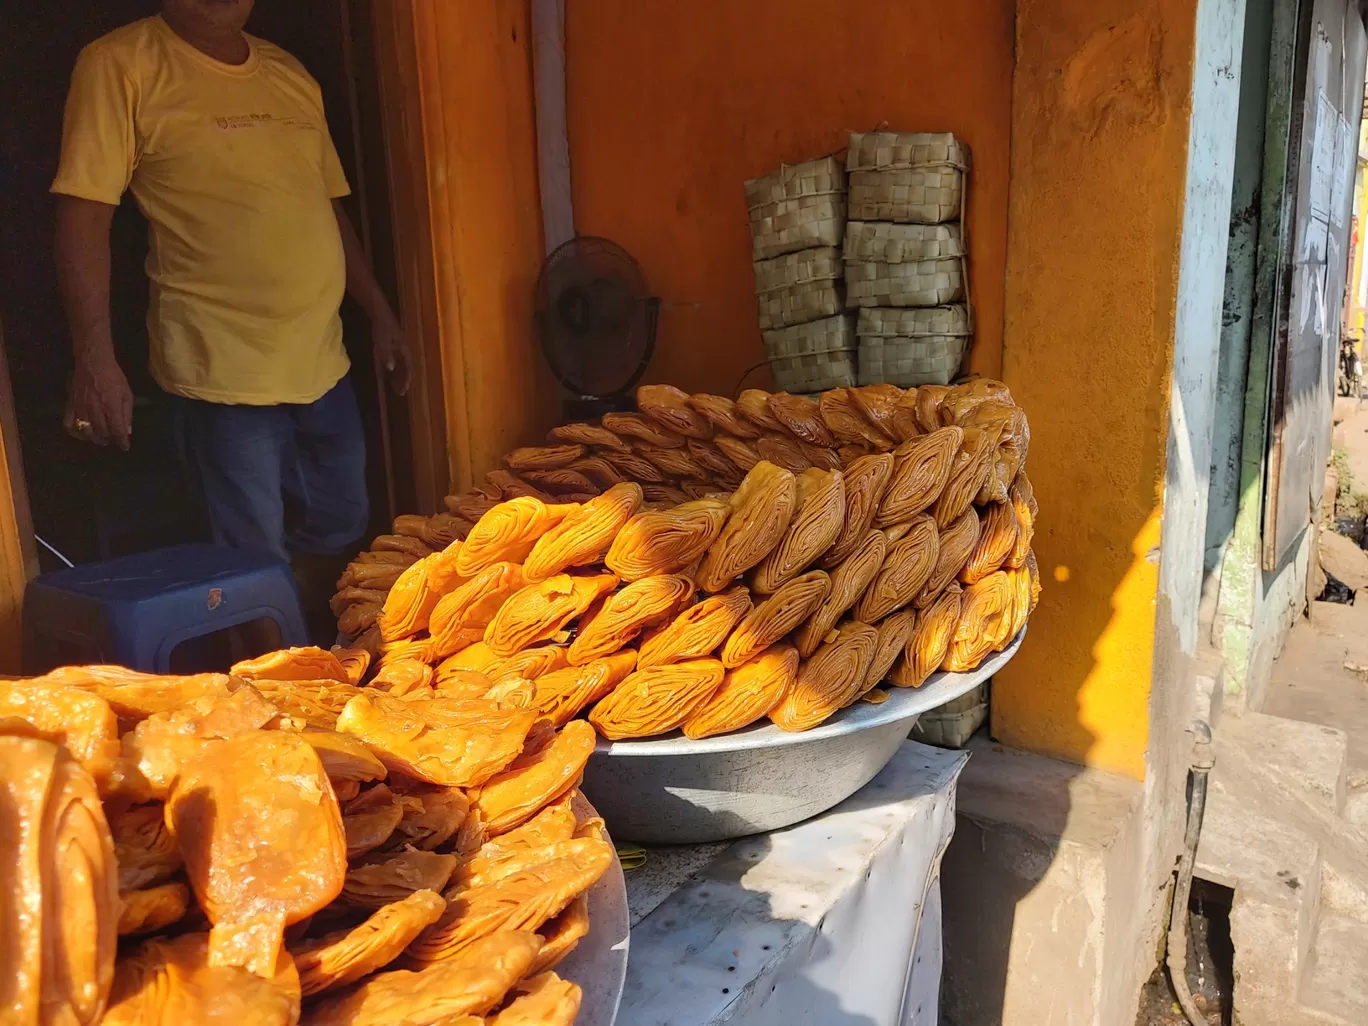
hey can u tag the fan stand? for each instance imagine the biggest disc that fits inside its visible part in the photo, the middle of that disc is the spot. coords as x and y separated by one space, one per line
576 409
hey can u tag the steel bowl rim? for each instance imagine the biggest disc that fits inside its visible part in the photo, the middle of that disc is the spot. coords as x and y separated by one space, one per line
902 704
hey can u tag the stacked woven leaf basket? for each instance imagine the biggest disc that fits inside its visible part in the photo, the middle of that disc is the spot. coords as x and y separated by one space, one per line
861 273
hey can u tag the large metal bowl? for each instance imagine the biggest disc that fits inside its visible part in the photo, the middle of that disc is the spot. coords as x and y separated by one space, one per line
672 790
599 962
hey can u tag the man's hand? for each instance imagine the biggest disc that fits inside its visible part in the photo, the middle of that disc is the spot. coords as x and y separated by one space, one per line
101 409
392 351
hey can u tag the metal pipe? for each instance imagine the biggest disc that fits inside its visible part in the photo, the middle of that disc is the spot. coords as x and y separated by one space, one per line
1203 759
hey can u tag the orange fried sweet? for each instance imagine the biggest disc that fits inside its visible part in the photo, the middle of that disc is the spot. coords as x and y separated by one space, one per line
723 414
930 640
60 915
507 533
641 428
144 847
740 451
656 700
384 879
921 469
542 1000
830 680
470 982
666 541
997 539
309 663
409 605
152 909
538 612
761 510
775 617
746 693
802 417
431 814
535 779
564 693
135 696
697 631
957 541
1022 497
783 450
561 935
620 617
906 568
355 662
81 721
404 677
343 756
369 819
345 956
262 838
315 702
632 467
585 434
543 457
166 982
441 741
848 583
879 404
819 515
866 480
461 615
894 631
585 535
521 901
847 421
984 622
670 407
969 471
753 404
554 823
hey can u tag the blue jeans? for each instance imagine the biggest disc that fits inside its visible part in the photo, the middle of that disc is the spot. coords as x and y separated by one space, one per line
250 461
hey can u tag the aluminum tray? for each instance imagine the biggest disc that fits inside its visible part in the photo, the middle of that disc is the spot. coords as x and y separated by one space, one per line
672 790
599 962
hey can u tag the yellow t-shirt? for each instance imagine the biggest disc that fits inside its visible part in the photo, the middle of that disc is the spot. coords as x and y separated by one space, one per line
235 171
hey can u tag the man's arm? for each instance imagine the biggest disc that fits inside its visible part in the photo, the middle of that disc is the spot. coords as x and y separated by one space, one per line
386 332
101 397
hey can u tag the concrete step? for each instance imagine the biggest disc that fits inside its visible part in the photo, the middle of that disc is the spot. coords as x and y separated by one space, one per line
1307 756
1336 980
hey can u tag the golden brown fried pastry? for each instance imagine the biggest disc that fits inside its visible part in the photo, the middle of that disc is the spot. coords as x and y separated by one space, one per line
600 471
866 480
663 496
343 957
358 617
540 611
1034 568
410 602
441 529
674 464
536 779
561 482
697 631
354 661
315 703
847 422
667 541
554 823
472 981
419 648
818 517
441 741
820 456
403 677
292 664
930 640
467 610
802 417
369 819
971 467
640 428
515 486
746 693
657 700
133 695
153 909
585 434
906 568
543 457
169 982
879 404
997 538
619 618
564 693
921 470
1022 498
383 879
775 617
753 404
761 511
562 934
144 848
719 469
740 452
522 901
905 423
386 557
507 533
670 408
961 400
262 838
432 815
894 630
477 658
783 450
398 543
830 680
634 467
61 912
543 1000
531 663
929 399
585 535
343 756
723 414
705 489
473 505
957 541
79 720
985 618
848 583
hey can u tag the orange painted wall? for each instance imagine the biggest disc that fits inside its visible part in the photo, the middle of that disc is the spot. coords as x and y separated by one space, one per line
672 106
1101 106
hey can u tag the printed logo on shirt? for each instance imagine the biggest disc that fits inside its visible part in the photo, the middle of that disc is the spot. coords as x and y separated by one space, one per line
239 122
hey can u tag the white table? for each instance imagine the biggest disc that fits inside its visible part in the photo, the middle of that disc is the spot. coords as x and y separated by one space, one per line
833 922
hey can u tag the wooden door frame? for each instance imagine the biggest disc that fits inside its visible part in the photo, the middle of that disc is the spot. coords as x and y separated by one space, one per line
18 551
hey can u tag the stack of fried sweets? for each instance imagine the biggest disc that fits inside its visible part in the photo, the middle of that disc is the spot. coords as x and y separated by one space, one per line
283 845
701 564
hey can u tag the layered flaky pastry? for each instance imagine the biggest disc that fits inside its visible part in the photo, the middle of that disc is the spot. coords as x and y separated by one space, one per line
667 541
747 693
761 510
657 700
906 568
830 680
774 617
818 518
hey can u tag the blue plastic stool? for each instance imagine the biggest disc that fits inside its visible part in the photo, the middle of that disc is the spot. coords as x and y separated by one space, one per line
135 610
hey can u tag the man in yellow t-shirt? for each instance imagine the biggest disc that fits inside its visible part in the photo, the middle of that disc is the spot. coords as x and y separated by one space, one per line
222 140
